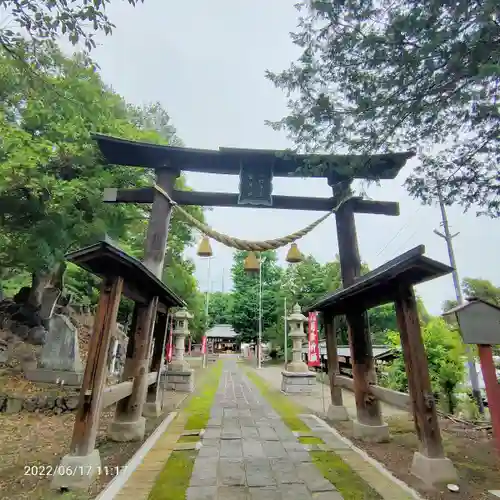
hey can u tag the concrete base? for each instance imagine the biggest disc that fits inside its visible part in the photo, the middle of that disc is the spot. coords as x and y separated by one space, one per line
76 472
151 409
180 381
433 471
127 431
73 379
297 383
371 433
337 413
493 494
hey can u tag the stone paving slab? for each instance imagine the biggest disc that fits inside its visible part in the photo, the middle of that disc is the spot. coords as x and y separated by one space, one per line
248 453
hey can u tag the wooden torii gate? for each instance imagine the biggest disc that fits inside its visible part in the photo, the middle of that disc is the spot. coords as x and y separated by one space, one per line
256 169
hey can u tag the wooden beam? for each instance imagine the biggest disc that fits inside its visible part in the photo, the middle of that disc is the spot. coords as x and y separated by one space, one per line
229 160
417 370
117 392
203 199
142 340
160 339
332 360
94 378
363 371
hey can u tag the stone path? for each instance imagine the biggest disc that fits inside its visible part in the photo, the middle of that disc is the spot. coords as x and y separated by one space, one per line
248 452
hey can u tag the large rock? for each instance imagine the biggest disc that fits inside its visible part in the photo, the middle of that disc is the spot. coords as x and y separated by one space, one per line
22 331
37 335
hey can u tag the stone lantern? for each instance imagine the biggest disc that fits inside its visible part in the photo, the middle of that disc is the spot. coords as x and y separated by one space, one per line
179 373
297 377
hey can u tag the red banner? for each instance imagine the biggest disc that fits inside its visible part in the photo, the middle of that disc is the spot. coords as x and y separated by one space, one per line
170 339
204 345
313 356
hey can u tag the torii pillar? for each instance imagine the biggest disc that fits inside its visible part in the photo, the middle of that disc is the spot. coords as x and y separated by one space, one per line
369 424
129 423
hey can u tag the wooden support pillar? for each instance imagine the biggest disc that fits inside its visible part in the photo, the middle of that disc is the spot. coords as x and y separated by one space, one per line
83 459
159 222
369 423
492 389
129 424
336 410
429 463
153 406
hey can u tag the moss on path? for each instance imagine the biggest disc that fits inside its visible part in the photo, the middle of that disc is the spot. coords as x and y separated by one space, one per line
333 468
173 481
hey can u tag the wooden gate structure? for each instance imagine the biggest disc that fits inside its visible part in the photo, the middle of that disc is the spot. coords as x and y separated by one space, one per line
124 275
256 169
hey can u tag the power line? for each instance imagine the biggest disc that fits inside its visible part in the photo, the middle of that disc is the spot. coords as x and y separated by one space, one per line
399 231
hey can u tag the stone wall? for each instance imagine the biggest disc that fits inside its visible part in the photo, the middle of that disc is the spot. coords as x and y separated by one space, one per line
39 403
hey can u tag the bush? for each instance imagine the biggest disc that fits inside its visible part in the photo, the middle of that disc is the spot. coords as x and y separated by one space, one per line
445 351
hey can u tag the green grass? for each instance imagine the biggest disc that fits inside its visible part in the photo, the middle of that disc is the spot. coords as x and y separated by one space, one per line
286 409
188 439
333 468
350 485
173 480
198 408
310 440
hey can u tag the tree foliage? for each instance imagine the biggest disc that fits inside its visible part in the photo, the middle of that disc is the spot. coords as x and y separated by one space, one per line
38 22
220 308
375 75
445 353
245 309
303 283
478 288
52 177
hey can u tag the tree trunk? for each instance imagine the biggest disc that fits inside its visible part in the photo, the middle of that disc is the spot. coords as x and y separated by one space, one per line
39 281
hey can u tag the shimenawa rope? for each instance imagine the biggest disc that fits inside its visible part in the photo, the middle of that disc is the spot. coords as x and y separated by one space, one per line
255 246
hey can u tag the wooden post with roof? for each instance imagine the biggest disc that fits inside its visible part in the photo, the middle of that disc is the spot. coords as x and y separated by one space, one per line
393 282
120 274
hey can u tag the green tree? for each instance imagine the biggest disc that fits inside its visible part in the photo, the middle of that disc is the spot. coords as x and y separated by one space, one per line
220 308
52 176
374 75
38 22
245 310
445 356
479 288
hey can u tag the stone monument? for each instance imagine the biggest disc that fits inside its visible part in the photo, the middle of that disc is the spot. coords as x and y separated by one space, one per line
179 373
60 357
296 378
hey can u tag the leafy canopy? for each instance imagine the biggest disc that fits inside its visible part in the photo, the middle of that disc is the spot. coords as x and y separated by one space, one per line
445 353
41 21
381 74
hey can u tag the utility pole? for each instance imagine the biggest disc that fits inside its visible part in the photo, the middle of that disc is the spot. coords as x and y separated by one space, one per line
259 359
448 237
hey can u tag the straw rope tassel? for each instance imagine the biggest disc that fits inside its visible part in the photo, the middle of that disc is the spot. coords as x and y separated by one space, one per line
251 246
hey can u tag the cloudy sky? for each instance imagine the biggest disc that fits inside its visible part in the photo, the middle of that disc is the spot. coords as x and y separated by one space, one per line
205 62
